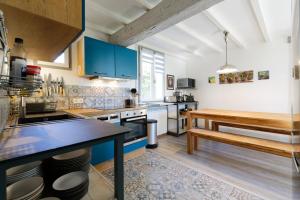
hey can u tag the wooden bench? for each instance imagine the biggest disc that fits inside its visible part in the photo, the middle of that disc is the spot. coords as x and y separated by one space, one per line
217 124
268 146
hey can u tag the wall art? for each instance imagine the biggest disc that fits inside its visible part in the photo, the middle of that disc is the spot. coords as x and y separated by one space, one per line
263 75
237 77
212 79
170 82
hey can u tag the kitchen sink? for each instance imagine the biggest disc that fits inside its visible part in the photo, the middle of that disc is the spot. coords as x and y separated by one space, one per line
44 117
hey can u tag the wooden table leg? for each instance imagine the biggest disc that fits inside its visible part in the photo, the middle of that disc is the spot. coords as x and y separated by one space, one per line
190 142
118 167
2 183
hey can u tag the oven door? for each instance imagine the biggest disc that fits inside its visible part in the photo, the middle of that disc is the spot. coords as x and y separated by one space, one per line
138 126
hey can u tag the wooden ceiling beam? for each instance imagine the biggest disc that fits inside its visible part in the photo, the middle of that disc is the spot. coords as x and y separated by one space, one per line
162 16
222 26
177 44
198 37
260 19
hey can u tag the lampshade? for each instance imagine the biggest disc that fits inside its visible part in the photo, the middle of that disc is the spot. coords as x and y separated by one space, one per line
225 69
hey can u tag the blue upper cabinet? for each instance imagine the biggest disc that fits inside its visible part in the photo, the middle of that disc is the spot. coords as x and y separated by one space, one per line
99 58
126 63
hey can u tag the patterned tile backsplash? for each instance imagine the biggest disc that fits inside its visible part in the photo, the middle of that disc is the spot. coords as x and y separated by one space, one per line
93 97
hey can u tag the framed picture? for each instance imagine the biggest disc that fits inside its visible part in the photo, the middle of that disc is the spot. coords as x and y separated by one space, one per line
212 79
170 82
237 77
263 75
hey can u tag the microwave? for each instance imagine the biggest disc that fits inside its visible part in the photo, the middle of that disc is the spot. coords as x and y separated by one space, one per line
186 83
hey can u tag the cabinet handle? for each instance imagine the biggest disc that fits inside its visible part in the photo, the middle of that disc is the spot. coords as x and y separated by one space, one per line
123 75
100 73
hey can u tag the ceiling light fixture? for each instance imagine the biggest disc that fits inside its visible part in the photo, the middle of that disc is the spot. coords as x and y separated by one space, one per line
227 68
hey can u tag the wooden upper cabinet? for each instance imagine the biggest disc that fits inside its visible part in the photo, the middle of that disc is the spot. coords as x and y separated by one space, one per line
47 27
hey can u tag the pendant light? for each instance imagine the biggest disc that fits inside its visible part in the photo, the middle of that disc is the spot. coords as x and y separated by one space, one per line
227 68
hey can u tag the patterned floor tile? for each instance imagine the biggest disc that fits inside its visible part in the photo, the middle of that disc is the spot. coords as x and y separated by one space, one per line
152 176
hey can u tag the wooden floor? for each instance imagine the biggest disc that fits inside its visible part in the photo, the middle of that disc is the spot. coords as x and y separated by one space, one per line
268 176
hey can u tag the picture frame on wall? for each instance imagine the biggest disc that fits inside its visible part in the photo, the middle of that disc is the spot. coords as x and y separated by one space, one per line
170 82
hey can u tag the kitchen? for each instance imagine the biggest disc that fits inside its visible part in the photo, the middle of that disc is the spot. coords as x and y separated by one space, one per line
146 74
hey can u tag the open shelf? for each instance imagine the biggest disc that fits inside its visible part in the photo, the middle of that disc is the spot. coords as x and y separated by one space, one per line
20 85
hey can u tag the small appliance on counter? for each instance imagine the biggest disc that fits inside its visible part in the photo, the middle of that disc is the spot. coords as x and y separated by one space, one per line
186 83
179 97
131 102
44 107
170 99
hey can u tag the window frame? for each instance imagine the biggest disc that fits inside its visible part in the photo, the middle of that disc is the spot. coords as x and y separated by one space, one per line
152 75
64 66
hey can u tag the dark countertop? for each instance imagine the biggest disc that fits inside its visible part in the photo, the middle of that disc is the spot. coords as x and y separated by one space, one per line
22 142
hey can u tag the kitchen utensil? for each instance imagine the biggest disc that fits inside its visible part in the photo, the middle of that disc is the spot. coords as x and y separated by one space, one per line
4 112
57 86
70 181
22 168
62 86
50 91
73 185
129 103
28 188
45 85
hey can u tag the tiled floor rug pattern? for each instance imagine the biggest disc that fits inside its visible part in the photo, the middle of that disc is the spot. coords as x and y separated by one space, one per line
153 176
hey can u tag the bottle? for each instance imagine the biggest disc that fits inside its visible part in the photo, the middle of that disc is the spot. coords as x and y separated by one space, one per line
17 63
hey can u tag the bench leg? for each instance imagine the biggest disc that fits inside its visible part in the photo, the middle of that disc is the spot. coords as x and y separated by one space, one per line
215 126
206 123
190 142
195 142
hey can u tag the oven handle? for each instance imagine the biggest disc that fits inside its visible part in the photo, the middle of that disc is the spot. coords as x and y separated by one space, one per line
133 119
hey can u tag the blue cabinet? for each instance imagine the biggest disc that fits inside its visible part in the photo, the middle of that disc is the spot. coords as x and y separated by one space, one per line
105 151
99 58
126 63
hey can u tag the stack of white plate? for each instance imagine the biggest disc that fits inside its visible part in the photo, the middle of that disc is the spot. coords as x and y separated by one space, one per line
27 189
73 161
73 185
20 172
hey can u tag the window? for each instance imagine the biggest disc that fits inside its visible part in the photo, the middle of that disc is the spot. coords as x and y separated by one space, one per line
61 62
152 75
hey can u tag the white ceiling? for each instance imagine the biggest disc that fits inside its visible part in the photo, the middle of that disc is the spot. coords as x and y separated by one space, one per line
248 21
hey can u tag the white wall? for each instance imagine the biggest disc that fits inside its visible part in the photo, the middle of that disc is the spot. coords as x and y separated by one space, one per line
264 96
177 67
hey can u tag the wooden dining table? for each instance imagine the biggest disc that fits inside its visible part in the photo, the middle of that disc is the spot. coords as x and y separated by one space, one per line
269 122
